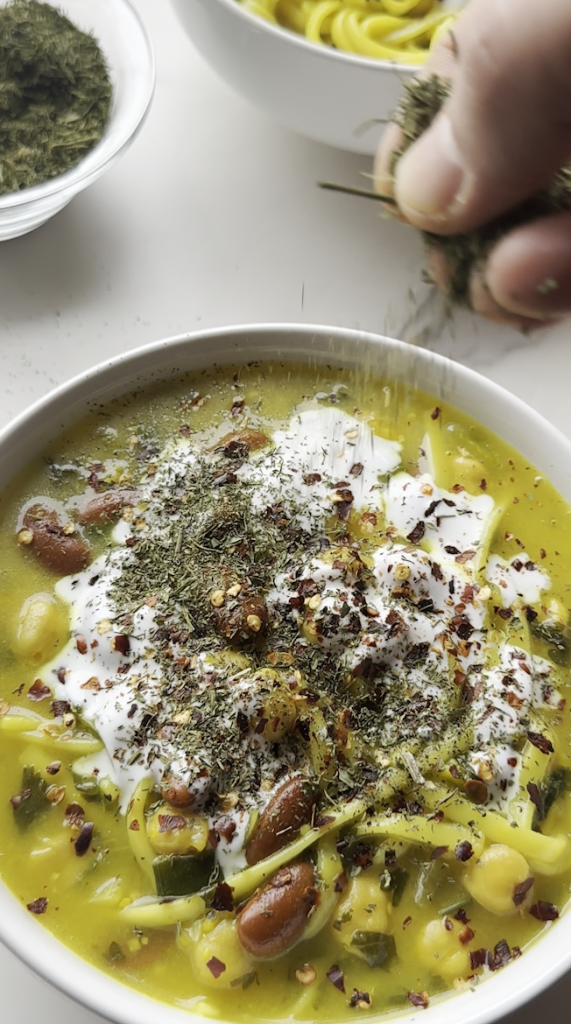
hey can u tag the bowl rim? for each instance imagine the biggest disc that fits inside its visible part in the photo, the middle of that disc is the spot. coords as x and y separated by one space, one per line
328 53
75 177
20 932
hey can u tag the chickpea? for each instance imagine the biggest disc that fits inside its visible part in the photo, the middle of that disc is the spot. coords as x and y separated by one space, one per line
41 627
364 908
492 879
440 949
220 948
176 833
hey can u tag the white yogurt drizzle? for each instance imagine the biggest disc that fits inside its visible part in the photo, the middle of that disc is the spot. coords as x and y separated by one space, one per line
321 450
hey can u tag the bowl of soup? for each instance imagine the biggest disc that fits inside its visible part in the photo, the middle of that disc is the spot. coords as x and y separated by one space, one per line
332 70
284 701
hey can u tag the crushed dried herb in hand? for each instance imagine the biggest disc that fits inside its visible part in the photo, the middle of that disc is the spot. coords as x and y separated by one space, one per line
55 94
465 252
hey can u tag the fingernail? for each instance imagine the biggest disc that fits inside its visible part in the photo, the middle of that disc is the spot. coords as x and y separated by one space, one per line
430 179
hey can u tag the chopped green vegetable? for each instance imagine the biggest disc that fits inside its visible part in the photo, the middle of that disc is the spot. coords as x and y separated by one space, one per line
184 875
31 802
376 948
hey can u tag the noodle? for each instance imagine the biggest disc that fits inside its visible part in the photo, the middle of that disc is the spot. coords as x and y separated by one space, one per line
393 30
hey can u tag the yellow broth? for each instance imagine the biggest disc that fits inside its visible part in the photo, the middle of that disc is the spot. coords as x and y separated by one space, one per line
85 894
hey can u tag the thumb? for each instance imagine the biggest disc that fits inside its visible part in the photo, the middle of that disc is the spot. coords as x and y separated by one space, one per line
506 127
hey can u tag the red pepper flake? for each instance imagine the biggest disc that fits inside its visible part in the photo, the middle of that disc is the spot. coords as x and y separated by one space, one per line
448 924
542 552
81 643
60 708
361 1000
483 485
74 815
323 819
340 882
38 906
406 922
53 768
417 533
311 478
168 822
122 643
39 691
335 976
466 935
437 816
356 469
418 999
222 899
463 851
479 957
362 855
521 890
61 675
134 826
461 916
216 966
19 799
437 852
536 799
465 556
435 413
83 841
544 911
541 742
512 761
457 488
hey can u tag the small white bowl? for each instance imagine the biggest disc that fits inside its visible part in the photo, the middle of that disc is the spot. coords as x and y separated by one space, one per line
550 956
126 45
325 94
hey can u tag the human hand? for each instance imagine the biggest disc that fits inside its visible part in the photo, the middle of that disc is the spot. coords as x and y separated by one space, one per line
502 134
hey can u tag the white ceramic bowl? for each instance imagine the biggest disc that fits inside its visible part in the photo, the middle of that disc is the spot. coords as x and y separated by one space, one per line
325 94
537 440
127 47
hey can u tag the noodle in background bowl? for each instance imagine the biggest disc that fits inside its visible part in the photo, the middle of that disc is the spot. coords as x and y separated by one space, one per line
549 957
326 94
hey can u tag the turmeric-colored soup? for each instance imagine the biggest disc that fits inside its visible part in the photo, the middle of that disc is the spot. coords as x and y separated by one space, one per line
284 706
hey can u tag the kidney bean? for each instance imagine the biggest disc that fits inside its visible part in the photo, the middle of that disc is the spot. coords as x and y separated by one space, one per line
61 552
289 808
105 507
274 919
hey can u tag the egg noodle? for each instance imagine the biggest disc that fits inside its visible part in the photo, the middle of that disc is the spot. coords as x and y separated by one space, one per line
397 30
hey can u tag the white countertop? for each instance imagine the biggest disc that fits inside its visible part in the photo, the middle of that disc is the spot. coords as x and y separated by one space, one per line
212 218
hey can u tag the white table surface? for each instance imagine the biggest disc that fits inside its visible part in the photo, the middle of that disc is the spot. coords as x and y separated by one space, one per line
213 217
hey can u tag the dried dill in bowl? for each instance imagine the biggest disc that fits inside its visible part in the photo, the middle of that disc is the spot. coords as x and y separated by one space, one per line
55 94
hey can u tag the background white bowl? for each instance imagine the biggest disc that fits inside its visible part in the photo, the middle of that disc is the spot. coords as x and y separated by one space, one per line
325 94
129 53
536 439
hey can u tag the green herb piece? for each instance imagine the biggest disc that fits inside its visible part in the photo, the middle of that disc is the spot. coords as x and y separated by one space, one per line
399 879
376 948
114 954
55 94
554 787
184 875
31 802
557 639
